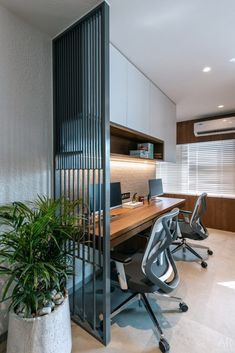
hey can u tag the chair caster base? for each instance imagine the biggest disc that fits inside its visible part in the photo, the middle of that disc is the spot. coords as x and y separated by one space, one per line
209 252
204 264
183 307
164 345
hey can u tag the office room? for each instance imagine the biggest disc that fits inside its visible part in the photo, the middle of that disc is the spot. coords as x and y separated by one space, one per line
117 178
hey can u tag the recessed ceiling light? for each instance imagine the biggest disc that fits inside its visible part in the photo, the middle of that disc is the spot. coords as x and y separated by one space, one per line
207 69
232 60
220 106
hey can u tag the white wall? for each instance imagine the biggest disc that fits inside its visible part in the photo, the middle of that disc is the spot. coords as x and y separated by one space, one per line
132 176
25 110
25 113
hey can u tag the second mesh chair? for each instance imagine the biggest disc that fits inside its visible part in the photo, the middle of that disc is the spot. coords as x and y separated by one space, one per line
191 227
153 271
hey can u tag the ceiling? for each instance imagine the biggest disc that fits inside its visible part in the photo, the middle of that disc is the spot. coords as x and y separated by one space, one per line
50 16
170 41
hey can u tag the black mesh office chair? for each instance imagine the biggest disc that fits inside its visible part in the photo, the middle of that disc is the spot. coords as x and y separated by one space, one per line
153 271
191 227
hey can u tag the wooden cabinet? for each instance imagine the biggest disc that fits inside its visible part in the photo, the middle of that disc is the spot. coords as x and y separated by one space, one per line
123 139
163 121
220 211
138 89
118 87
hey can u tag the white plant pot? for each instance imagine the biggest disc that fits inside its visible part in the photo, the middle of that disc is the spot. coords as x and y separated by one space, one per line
45 334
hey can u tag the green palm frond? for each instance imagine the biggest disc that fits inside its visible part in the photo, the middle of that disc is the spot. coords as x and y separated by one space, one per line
32 255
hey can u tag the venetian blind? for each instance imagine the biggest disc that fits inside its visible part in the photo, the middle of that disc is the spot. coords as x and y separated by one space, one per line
203 166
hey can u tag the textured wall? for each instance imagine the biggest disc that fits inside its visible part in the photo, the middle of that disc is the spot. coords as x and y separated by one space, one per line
25 113
133 176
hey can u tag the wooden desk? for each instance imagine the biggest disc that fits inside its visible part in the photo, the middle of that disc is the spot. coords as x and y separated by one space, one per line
129 222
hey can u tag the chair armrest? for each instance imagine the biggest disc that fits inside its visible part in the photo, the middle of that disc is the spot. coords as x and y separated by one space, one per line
185 212
119 257
144 235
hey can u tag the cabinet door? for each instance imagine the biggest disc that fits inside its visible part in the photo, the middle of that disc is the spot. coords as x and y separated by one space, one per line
170 132
118 87
138 100
163 121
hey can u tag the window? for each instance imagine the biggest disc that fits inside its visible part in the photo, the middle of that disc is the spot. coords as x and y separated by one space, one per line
201 167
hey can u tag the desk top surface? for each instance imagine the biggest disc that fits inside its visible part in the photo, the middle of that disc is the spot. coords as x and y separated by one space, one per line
125 219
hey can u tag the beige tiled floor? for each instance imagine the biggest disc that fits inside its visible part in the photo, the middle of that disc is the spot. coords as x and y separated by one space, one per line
208 326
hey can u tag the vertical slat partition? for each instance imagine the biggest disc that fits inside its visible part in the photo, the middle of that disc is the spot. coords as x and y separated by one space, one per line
81 123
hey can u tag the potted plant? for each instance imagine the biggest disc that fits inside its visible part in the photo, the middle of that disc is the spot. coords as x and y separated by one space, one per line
34 260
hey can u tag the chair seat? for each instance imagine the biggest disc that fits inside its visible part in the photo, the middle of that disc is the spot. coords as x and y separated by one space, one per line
137 282
187 232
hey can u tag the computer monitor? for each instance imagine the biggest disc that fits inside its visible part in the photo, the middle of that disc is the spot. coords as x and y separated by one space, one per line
115 196
155 188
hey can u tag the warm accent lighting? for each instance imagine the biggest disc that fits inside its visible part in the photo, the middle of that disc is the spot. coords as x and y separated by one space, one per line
126 165
207 69
220 106
128 159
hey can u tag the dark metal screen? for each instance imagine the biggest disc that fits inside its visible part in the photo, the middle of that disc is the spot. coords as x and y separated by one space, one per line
81 126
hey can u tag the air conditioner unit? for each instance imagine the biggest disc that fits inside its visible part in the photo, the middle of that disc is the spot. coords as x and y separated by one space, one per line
215 126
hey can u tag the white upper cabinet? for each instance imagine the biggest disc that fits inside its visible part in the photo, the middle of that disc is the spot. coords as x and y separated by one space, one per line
118 87
136 103
163 121
138 100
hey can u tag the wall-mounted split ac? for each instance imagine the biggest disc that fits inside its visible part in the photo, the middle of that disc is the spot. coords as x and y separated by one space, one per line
215 126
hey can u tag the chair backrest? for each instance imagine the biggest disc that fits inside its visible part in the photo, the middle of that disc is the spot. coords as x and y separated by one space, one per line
158 264
196 218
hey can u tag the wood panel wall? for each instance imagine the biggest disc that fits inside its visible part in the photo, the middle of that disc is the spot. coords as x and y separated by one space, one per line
220 211
185 132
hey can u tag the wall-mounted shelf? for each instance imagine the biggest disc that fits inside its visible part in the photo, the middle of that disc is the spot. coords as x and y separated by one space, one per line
122 140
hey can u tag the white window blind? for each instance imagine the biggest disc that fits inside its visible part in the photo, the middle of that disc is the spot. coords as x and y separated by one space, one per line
201 167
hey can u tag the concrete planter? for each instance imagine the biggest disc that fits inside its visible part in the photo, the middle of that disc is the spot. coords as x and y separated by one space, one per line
45 334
